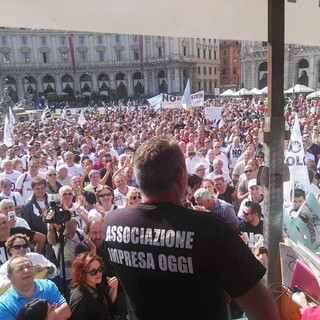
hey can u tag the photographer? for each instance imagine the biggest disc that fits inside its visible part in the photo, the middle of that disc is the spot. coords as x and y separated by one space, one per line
72 236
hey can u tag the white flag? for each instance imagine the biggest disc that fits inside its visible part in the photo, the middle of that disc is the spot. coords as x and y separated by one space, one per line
7 133
11 119
82 119
46 115
295 160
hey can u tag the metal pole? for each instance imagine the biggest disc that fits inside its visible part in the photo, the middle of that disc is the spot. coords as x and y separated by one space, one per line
274 139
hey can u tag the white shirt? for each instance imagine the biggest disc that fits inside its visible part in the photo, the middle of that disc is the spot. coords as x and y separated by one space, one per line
119 198
13 177
190 163
75 170
24 184
15 197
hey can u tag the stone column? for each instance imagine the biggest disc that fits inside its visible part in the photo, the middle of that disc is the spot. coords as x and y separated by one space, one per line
130 84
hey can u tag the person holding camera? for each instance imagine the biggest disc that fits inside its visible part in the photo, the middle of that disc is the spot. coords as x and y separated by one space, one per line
193 158
71 236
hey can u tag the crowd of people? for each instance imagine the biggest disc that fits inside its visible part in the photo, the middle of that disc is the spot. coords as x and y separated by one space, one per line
61 269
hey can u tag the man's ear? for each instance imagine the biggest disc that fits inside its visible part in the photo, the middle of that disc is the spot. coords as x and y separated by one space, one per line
9 276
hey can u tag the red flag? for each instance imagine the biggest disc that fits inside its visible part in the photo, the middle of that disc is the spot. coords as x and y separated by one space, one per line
141 51
71 48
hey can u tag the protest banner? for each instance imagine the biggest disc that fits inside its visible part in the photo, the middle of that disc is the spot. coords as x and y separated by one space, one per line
171 102
197 99
212 113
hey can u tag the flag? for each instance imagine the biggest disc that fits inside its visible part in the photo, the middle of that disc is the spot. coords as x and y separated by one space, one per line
186 101
82 120
11 119
155 102
7 133
46 115
66 113
71 48
295 160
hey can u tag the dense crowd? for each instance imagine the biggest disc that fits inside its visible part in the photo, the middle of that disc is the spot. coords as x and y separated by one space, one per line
87 170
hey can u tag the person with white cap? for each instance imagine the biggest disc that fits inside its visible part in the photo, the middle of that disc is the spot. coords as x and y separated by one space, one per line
255 194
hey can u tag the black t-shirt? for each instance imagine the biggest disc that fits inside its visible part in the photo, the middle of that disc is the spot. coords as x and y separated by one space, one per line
176 263
253 233
4 256
227 195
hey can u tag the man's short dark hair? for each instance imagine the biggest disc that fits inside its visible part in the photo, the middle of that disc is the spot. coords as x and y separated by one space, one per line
38 180
299 193
193 180
157 164
255 207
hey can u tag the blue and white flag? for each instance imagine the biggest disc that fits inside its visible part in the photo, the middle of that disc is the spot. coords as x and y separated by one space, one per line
66 113
295 160
7 133
155 102
186 100
46 115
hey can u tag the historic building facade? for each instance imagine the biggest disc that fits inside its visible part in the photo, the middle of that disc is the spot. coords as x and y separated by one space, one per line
55 62
301 65
230 62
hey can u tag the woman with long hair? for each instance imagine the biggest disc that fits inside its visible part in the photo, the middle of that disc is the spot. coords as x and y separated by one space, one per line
133 197
90 299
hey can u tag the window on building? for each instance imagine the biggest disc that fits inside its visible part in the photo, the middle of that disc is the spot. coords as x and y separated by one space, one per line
234 71
225 43
136 55
224 61
214 40
209 40
25 57
81 39
118 55
224 71
45 57
198 50
210 70
215 70
199 85
101 55
264 43
43 40
117 37
3 40
24 40
215 83
199 70
185 51
100 39
6 58
62 40
205 85
214 54
64 56
224 52
204 70
83 56
160 52
210 54
210 85
204 53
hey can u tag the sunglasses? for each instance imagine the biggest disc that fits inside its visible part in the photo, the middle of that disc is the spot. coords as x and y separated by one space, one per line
136 197
19 246
102 195
261 157
67 194
6 185
248 171
93 272
52 175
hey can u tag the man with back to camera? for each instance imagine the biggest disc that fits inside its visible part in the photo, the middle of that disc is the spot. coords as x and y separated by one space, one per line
172 261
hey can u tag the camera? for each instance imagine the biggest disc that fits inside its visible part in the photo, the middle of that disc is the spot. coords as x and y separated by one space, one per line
56 214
